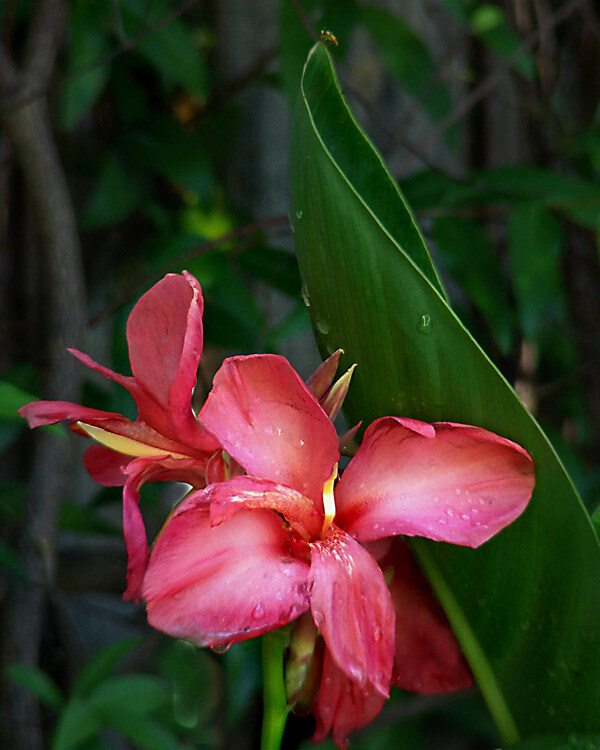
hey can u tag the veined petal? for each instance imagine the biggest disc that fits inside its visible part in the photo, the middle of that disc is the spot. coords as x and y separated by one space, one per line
227 498
265 417
217 585
428 658
448 482
139 471
342 705
351 605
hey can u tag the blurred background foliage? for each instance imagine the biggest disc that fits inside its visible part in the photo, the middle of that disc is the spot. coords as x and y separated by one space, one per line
170 122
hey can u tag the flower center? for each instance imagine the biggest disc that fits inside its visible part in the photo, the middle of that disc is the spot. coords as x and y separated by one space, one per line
329 501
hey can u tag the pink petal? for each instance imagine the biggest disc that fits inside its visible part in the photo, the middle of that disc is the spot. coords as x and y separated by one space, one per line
341 705
448 482
265 417
217 585
106 466
351 606
165 337
139 471
50 412
428 658
227 498
124 380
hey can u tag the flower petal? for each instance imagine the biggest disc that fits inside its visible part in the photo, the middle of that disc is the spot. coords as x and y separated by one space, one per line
217 585
342 705
165 337
106 466
227 498
39 413
448 482
428 658
265 417
139 471
351 605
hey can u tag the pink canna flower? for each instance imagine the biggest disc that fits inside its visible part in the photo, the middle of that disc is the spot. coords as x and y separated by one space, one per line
244 556
166 441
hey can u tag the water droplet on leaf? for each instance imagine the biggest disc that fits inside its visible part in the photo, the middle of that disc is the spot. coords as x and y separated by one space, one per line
305 296
323 327
298 213
425 324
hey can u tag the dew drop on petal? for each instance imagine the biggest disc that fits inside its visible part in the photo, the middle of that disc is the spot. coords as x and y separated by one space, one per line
377 634
449 512
465 516
220 648
258 612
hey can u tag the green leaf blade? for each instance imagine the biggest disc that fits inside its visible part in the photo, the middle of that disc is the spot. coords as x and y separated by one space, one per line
525 615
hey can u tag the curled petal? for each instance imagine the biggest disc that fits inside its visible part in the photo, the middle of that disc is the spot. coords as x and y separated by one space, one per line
351 605
217 585
448 482
227 498
265 417
342 705
428 658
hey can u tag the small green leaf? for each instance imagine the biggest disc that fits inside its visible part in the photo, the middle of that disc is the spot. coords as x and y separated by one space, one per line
88 42
116 195
535 243
77 723
130 694
101 665
37 682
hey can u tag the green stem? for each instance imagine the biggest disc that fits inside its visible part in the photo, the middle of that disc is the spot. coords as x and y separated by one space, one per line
275 705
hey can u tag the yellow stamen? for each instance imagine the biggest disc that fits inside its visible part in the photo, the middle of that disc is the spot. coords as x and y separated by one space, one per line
329 501
126 445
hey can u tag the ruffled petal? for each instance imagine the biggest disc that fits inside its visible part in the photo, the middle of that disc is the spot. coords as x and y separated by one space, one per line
165 337
428 658
342 705
448 482
351 605
140 471
265 417
227 498
217 585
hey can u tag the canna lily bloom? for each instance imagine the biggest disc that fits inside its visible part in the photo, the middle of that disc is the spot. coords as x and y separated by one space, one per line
248 555
166 441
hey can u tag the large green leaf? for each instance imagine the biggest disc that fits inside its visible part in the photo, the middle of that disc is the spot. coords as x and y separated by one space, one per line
526 605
